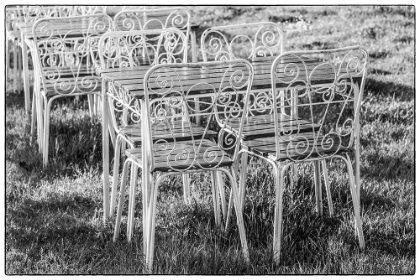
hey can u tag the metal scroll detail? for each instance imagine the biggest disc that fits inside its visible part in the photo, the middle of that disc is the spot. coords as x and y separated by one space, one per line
64 54
316 111
143 19
242 41
121 49
135 48
34 12
170 93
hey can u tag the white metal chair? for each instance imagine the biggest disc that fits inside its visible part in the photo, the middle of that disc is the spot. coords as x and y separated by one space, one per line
167 89
24 15
253 41
155 18
317 118
63 62
121 49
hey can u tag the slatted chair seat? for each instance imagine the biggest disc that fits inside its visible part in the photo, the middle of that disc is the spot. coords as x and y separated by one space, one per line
179 130
263 126
302 147
184 154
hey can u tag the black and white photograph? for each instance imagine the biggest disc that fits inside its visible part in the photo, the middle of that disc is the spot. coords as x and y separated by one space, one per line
209 138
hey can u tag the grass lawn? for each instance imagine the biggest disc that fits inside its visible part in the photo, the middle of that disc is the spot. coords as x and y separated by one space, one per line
53 219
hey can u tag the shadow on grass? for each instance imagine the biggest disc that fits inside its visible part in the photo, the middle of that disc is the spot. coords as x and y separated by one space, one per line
74 145
15 99
391 243
60 234
389 89
388 167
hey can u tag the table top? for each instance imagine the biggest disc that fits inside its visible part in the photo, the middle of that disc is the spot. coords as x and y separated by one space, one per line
131 78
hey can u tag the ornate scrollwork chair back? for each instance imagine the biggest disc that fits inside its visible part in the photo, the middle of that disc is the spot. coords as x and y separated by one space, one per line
87 10
63 60
322 88
64 52
174 93
148 47
120 49
144 19
30 14
246 41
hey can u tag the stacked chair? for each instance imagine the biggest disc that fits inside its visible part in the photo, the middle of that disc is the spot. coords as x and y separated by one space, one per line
122 49
260 127
64 50
256 42
149 20
171 148
18 15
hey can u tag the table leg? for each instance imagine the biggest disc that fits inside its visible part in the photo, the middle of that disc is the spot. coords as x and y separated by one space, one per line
26 75
105 153
15 55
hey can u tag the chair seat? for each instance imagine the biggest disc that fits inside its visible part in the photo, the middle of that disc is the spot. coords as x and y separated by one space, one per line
263 126
179 130
184 155
301 146
66 83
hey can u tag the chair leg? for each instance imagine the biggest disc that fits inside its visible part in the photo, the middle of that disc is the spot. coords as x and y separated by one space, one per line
33 117
229 211
239 214
318 189
242 179
278 214
19 73
327 187
215 195
131 201
41 101
90 103
46 132
121 200
15 69
186 188
221 186
242 166
356 205
115 176
294 173
95 104
357 168
151 222
144 212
